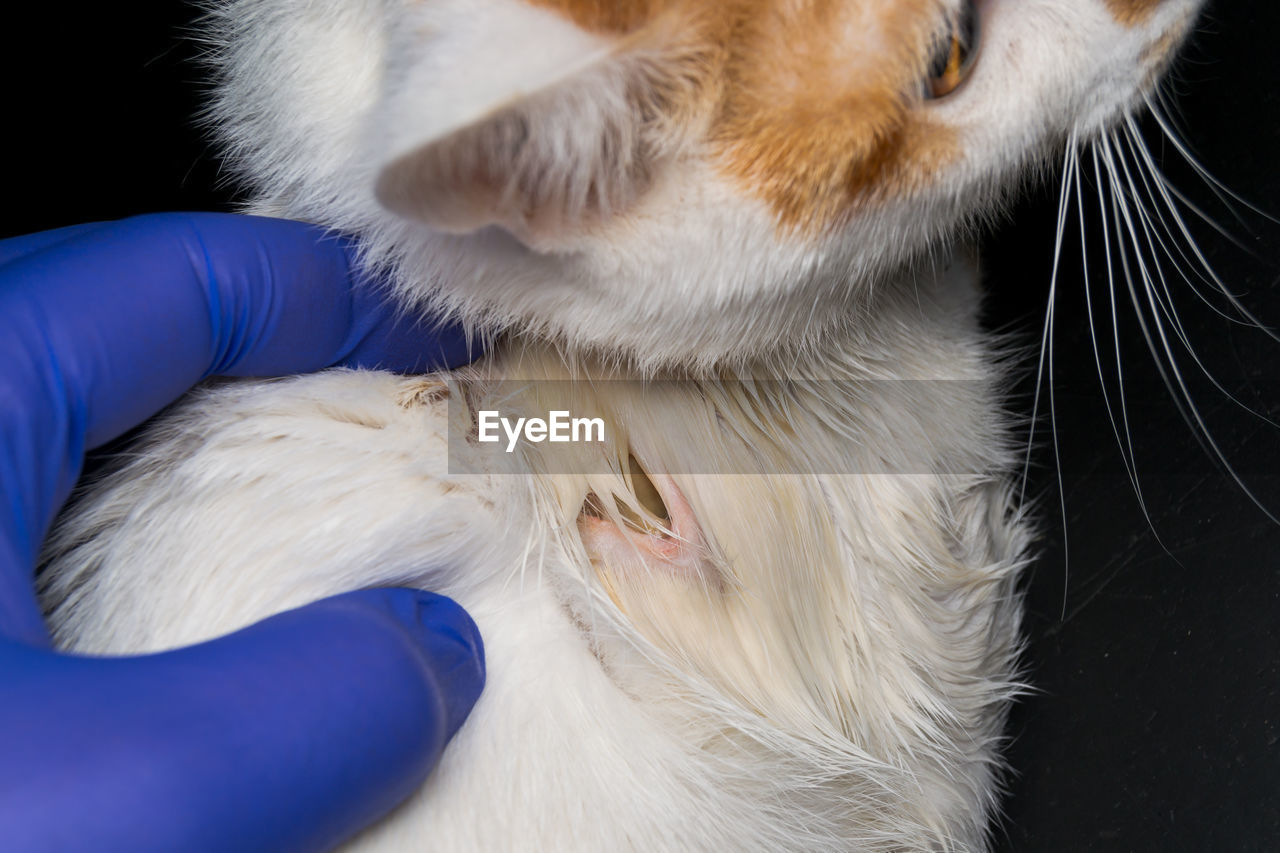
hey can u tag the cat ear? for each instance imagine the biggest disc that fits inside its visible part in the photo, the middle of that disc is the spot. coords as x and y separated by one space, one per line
581 146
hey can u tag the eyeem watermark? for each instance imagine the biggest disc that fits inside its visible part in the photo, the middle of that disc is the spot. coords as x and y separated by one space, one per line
558 426
764 426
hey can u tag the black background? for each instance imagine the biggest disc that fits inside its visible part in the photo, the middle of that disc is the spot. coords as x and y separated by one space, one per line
1153 645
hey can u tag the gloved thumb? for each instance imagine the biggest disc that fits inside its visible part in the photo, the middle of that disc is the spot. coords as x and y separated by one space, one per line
291 734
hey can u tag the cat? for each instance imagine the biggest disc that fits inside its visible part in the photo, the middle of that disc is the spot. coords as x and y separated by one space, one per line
776 607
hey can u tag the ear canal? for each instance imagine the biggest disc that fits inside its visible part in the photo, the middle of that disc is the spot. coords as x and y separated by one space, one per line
646 492
551 163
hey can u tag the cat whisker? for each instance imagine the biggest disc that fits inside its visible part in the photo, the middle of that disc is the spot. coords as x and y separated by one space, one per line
1167 304
1125 441
1168 189
1157 189
1115 325
1161 300
1219 189
1123 219
1071 160
1163 355
1045 358
1204 264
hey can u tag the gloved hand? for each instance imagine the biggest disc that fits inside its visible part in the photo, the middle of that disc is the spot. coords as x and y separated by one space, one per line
291 734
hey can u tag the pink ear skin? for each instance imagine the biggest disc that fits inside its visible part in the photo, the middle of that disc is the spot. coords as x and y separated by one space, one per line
567 156
519 170
627 550
450 197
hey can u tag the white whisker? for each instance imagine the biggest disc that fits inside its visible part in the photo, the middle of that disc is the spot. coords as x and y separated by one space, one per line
1155 185
1125 443
1167 305
1115 327
1204 262
1070 165
1168 188
1220 189
1169 371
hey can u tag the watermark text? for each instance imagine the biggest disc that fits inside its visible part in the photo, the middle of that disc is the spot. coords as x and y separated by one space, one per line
558 426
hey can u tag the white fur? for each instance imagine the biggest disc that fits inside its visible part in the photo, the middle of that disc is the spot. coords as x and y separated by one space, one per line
833 670
650 731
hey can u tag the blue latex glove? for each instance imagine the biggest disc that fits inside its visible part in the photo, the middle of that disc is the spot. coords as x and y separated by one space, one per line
289 735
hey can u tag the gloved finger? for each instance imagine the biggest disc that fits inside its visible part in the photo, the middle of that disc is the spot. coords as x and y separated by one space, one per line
386 337
292 734
13 248
104 325
134 312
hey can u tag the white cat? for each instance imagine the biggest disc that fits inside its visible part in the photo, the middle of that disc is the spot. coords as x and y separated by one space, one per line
776 608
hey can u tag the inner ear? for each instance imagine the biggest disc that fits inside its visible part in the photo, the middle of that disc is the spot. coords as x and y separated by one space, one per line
552 163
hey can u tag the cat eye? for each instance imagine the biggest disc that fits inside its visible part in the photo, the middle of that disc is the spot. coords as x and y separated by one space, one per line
954 54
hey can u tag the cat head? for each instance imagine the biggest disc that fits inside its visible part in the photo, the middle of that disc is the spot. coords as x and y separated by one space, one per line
665 181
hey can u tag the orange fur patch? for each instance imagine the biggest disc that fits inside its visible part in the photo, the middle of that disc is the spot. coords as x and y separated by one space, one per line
818 114
607 17
1131 13
813 104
